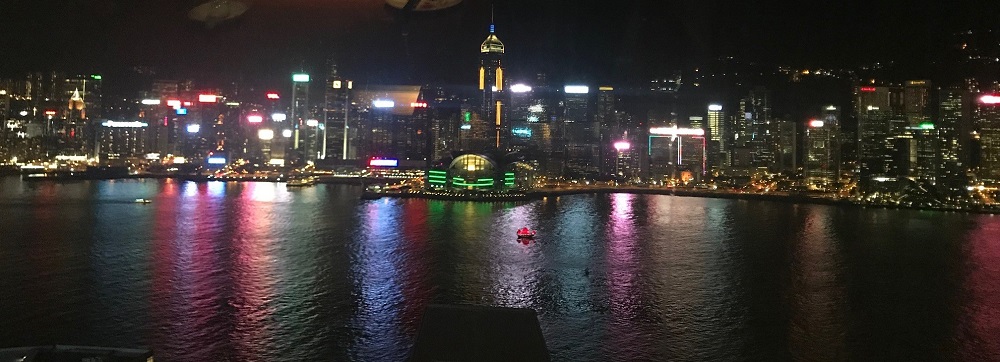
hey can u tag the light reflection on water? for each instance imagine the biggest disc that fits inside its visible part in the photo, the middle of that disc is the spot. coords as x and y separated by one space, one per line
258 272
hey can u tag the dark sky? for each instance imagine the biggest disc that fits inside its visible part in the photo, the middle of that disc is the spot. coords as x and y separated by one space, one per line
605 41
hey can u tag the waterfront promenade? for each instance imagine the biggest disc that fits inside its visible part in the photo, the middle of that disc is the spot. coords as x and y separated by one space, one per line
527 195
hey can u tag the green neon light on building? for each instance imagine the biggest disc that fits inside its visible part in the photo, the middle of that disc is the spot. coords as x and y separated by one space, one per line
480 183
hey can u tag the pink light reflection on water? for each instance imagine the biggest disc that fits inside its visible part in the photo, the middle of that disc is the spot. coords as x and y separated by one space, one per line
165 254
195 301
981 325
622 270
817 295
253 270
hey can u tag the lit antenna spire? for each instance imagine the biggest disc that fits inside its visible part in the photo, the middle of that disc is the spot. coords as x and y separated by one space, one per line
492 19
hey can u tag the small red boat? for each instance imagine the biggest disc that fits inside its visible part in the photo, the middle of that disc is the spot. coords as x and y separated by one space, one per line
524 233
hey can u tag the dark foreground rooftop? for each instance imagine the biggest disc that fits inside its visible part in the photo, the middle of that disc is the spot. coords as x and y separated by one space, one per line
59 353
473 333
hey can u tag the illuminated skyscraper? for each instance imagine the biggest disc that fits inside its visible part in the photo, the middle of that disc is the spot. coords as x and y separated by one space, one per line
831 119
393 124
492 84
786 144
925 153
754 129
580 132
950 125
917 102
718 148
299 113
877 109
677 153
821 165
117 141
609 129
987 127
336 113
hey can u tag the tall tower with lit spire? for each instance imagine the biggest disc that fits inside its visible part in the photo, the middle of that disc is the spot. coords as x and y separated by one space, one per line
492 83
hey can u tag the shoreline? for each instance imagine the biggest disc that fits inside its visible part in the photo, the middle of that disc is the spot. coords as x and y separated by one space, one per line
515 197
791 199
324 179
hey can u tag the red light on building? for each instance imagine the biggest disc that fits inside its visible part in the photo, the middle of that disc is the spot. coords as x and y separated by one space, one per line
418 105
50 113
989 99
867 89
207 98
272 95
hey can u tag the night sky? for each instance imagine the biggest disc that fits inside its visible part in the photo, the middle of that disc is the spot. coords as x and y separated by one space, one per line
600 41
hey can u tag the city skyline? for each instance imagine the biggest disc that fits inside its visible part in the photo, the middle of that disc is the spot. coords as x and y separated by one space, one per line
732 124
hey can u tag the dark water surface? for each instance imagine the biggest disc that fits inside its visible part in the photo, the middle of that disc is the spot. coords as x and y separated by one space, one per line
256 272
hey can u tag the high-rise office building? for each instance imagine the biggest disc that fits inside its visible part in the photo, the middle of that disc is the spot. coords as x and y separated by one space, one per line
492 84
754 129
121 140
626 160
164 89
820 166
336 113
86 89
299 116
876 108
606 120
718 139
831 116
581 133
987 128
677 153
924 152
445 113
786 155
952 124
394 124
81 100
917 102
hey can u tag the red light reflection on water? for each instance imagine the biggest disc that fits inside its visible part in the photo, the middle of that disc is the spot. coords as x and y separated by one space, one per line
165 251
415 289
982 322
